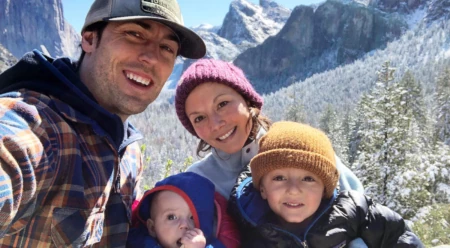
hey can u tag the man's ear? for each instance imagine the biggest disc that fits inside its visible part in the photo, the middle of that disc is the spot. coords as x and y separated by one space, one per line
89 41
263 192
151 228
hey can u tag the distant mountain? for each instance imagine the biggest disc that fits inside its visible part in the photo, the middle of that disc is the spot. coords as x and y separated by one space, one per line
30 24
6 59
313 41
335 33
425 52
245 25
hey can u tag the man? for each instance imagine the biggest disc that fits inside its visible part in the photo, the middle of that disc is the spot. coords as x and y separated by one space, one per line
70 164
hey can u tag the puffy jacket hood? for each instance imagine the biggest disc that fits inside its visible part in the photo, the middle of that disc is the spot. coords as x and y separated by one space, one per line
58 77
196 190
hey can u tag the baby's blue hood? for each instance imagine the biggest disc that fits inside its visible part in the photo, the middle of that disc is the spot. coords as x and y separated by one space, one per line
196 190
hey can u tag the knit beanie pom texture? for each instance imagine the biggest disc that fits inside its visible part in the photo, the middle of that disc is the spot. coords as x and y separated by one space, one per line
217 71
295 145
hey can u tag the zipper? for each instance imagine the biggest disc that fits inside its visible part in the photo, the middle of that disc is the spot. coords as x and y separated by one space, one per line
318 217
303 242
116 182
305 245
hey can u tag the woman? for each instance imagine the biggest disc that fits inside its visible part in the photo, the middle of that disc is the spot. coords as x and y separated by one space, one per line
216 103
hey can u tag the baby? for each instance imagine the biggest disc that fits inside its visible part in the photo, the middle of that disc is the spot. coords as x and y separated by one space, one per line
178 212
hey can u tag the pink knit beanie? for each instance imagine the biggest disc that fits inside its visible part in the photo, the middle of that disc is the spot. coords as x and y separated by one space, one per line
211 70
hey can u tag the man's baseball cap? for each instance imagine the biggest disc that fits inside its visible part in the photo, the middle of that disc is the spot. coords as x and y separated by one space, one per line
166 12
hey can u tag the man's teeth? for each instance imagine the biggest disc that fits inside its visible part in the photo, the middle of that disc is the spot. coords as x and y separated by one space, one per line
138 79
226 135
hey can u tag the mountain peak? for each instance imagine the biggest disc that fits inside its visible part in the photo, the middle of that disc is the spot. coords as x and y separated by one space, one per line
20 35
248 25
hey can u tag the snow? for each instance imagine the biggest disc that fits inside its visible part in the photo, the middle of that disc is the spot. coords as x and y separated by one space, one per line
176 74
447 54
416 17
254 21
444 188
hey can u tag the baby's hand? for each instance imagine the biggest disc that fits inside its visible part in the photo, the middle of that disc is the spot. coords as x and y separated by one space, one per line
193 239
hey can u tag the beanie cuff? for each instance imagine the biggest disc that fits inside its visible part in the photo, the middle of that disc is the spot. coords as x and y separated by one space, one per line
319 165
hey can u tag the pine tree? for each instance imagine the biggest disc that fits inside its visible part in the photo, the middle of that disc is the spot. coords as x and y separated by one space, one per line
390 160
442 126
410 186
295 110
413 100
334 127
438 172
373 164
327 120
355 122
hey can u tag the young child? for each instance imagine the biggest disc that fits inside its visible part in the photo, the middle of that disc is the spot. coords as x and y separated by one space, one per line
291 200
180 211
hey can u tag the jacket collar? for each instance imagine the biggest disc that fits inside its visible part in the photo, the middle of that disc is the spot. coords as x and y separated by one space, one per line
236 161
58 78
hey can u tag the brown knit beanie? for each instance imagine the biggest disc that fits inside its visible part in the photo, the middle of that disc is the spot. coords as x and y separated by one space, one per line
295 145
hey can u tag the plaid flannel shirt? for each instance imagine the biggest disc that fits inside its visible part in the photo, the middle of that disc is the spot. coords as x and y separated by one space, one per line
58 170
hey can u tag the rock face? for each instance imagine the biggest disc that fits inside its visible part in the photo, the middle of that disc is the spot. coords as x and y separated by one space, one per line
274 11
218 47
315 41
28 24
247 25
401 6
6 59
438 10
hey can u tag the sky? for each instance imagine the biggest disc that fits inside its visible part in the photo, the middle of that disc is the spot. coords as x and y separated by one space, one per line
195 12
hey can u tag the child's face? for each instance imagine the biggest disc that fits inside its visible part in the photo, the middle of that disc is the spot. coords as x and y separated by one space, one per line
171 218
292 194
220 116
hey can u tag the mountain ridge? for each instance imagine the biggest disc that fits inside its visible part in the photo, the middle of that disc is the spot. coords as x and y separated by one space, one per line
30 24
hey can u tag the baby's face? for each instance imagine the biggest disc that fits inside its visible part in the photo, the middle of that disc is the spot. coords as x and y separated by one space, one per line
292 194
171 219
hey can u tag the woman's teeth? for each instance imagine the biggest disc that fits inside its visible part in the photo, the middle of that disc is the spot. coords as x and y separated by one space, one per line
226 135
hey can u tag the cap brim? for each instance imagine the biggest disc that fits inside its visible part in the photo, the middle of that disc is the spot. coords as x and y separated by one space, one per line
192 46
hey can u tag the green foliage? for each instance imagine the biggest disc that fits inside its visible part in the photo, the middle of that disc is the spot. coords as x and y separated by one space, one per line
432 227
187 162
143 148
168 168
